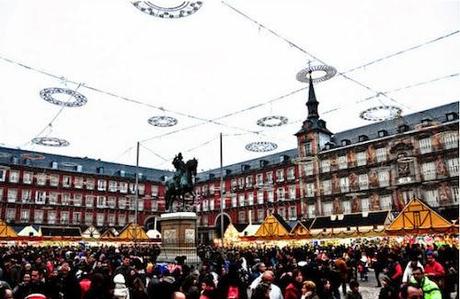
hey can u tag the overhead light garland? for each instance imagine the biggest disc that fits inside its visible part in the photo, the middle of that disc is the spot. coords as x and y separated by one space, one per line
50 141
381 113
32 156
69 164
319 73
162 121
47 95
184 9
272 121
261 146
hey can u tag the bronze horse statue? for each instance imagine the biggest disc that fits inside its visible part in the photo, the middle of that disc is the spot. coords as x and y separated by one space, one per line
182 183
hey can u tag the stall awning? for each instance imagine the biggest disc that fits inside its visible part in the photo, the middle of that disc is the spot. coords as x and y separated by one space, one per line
418 217
274 226
132 232
6 231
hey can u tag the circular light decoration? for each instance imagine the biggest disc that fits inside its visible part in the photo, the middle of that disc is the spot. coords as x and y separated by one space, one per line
185 9
319 73
162 121
272 121
5 155
261 146
78 99
380 113
32 156
50 141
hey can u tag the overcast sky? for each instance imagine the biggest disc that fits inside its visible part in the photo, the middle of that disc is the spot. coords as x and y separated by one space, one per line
209 64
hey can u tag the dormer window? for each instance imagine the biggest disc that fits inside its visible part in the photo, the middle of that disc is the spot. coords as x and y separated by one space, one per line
403 128
362 138
345 142
382 133
426 122
451 116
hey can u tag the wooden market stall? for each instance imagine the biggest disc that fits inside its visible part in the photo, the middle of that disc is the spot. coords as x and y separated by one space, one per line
132 232
273 227
6 231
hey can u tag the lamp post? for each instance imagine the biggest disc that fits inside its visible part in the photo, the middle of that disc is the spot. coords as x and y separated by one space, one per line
221 194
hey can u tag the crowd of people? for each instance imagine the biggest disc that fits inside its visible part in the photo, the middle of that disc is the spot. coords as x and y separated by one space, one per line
308 272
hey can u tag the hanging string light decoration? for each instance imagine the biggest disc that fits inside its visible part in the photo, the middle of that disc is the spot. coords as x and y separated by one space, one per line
32 156
184 9
272 121
69 164
48 95
50 141
261 146
162 121
381 113
319 73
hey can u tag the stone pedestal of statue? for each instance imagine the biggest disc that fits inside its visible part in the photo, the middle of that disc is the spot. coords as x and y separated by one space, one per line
178 237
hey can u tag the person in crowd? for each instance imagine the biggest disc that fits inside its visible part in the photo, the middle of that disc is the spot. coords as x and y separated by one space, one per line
262 291
394 270
388 291
430 289
410 291
354 293
414 263
309 290
120 291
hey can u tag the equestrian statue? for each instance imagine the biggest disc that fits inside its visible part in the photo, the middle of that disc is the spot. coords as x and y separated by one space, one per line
180 186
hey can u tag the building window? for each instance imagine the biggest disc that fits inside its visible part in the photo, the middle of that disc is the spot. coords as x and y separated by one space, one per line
291 173
41 179
101 201
51 217
66 181
111 219
241 217
311 211
282 212
14 176
344 185
280 194
154 191
308 148
431 197
78 182
292 213
269 178
429 171
260 197
234 184
363 182
241 200
452 164
251 199
425 145
90 184
361 158
325 165
2 175
88 218
241 183
343 163
76 218
249 181
12 195
346 207
54 180
38 216
327 188
111 202
132 188
89 201
100 219
384 178
260 215
10 214
40 197
310 189
450 140
121 219
308 168
65 200
155 206
77 200
113 186
205 220
64 217
270 196
455 194
124 187
234 201
26 195
382 133
53 198
381 154
27 177
101 185
365 204
260 180
292 192
280 175
327 208
385 202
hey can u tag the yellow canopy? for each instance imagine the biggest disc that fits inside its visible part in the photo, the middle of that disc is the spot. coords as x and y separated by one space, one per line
6 231
418 217
132 232
231 235
273 227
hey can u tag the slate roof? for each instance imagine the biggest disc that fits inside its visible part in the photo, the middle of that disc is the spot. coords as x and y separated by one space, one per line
52 231
351 220
371 131
283 222
240 226
449 214
89 166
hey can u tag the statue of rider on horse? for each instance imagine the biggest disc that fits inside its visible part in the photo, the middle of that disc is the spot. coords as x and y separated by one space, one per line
180 187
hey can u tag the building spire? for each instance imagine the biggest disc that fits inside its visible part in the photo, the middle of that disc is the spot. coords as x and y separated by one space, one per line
312 103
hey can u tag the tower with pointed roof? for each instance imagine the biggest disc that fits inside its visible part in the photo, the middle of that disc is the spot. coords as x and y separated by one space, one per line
311 138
